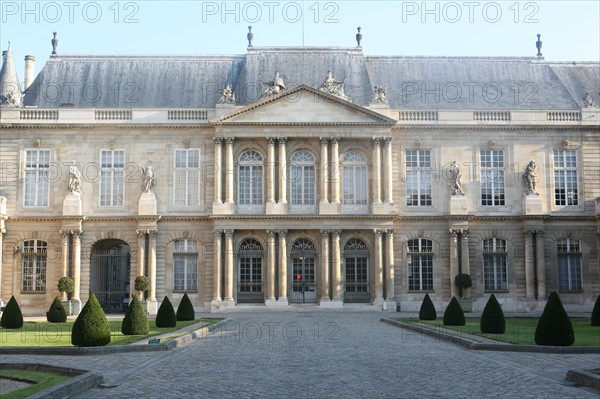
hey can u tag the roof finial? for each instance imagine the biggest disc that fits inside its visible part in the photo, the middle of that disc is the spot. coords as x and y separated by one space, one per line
54 42
538 44
250 35
358 37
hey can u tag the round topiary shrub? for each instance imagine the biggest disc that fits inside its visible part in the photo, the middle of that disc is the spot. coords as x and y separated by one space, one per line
12 316
166 314
185 310
66 284
427 311
135 321
596 313
142 283
91 327
56 313
492 318
454 316
554 326
462 281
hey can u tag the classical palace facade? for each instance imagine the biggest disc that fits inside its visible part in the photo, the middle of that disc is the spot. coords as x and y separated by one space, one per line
300 175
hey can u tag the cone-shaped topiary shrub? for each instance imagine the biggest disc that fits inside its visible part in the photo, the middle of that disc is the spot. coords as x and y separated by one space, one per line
91 327
12 316
492 318
166 314
135 321
427 311
56 313
554 326
185 310
596 313
454 316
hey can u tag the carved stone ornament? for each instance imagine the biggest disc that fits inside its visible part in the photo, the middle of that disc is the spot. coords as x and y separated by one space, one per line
273 87
379 95
455 174
74 178
147 177
332 86
227 95
530 178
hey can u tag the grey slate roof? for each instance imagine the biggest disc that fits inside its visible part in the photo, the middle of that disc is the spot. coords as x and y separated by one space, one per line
412 82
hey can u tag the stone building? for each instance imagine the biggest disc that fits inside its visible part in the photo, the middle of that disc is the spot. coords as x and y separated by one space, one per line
292 175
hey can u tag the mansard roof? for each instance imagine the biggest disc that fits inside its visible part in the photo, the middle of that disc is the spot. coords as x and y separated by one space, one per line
412 82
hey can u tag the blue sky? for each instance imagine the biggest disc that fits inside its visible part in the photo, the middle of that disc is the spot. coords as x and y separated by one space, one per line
570 29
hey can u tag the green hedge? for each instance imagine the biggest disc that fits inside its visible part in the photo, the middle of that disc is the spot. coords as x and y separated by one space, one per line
56 313
185 310
492 319
596 313
454 316
166 314
91 327
554 327
135 321
427 311
12 316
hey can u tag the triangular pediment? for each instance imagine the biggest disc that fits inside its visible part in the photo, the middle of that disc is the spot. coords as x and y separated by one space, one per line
304 105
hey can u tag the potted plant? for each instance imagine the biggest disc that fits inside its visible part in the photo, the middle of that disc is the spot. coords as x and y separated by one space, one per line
463 281
142 283
66 285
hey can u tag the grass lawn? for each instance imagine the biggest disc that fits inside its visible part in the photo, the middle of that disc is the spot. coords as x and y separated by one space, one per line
44 333
522 330
41 379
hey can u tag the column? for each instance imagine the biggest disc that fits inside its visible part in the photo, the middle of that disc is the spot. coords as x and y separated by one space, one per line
229 169
228 266
334 171
282 171
453 260
389 272
218 169
76 264
378 266
217 266
323 174
336 267
152 265
529 271
389 183
282 268
270 286
141 256
541 265
464 242
65 253
376 170
2 231
271 170
325 297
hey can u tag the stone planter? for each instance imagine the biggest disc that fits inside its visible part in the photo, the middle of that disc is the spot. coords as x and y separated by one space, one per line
466 305
68 307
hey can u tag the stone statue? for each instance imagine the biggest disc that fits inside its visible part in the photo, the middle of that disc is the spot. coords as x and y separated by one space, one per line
273 87
74 178
358 37
148 177
455 174
54 42
227 95
332 86
250 36
588 101
379 95
530 178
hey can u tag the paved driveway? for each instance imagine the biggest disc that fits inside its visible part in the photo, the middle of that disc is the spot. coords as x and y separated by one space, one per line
327 355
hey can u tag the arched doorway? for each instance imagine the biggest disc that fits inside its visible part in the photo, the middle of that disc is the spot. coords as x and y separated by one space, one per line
304 286
356 260
250 277
110 265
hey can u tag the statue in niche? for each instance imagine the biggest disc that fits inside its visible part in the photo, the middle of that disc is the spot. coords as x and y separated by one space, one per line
332 86
148 177
227 95
379 95
455 175
274 87
74 179
530 178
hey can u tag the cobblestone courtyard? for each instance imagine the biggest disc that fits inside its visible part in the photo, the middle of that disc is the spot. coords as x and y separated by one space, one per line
308 354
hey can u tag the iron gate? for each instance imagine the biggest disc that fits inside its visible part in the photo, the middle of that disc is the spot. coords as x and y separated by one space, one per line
109 279
304 288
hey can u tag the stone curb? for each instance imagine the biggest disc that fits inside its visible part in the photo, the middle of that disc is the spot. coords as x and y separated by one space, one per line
469 344
584 378
107 350
80 382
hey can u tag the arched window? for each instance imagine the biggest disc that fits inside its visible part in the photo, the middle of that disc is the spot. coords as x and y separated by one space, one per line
304 287
302 182
569 265
420 265
250 278
355 180
356 260
185 265
250 183
34 261
495 273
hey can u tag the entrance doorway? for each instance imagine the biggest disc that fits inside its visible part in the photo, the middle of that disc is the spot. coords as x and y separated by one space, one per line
304 286
110 265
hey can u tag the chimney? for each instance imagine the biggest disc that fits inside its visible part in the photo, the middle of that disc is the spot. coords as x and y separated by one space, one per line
29 70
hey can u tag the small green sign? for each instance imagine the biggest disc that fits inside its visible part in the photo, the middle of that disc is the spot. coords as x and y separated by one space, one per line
154 341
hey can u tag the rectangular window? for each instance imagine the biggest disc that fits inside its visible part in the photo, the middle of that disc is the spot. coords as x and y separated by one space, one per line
492 177
495 275
420 265
565 177
187 177
569 265
34 259
185 265
418 178
112 183
37 186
